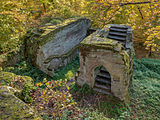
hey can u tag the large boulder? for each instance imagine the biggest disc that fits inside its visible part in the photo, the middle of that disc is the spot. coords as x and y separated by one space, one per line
12 108
53 46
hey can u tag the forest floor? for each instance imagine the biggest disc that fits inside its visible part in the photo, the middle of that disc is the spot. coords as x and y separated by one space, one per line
141 52
144 93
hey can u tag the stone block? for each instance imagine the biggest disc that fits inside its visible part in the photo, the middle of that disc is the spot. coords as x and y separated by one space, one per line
49 46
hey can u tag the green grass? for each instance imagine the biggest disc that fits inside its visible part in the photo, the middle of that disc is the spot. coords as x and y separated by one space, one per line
68 71
25 68
144 91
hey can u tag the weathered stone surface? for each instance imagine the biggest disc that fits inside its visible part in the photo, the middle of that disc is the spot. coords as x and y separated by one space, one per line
12 108
51 46
10 58
98 50
16 81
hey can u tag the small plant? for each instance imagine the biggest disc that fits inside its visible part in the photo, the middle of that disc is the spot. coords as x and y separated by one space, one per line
93 115
27 93
68 71
25 68
82 90
55 98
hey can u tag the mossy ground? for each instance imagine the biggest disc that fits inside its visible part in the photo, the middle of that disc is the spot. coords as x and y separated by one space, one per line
144 92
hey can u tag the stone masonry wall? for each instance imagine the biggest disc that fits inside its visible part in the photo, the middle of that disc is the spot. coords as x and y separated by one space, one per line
96 51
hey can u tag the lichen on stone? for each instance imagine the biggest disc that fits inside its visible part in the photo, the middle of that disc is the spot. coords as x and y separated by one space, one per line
46 44
96 41
61 56
24 84
12 108
41 35
6 77
10 79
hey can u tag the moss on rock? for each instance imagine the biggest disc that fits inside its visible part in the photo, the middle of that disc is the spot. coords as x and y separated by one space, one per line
23 83
40 36
12 108
50 47
11 79
96 41
6 78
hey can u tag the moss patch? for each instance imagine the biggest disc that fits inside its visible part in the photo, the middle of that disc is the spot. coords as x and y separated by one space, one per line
12 108
23 83
40 36
103 43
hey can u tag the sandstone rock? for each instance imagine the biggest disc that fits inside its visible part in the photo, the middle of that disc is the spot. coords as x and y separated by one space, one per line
50 46
16 81
24 84
12 108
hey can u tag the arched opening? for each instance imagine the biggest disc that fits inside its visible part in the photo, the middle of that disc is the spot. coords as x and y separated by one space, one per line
102 80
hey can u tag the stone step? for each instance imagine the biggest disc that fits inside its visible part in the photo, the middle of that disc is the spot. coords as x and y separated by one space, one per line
102 91
103 80
117 33
105 87
118 29
104 75
117 38
104 71
119 26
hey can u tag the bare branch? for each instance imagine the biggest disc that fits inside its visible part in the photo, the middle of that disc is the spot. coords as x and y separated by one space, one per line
112 15
140 12
135 3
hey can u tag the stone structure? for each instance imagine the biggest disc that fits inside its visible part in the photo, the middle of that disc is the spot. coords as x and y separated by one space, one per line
106 60
53 46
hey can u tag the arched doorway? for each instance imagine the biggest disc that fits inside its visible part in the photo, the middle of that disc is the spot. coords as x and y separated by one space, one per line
102 80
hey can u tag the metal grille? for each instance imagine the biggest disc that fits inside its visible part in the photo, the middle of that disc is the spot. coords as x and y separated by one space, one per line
102 81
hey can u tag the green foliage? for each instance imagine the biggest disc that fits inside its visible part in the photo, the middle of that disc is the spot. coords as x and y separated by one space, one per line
23 83
144 91
25 68
144 18
55 98
83 91
144 94
27 93
145 97
11 26
17 16
106 106
93 115
68 71
56 21
112 109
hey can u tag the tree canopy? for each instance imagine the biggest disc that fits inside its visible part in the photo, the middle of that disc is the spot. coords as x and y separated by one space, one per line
16 16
